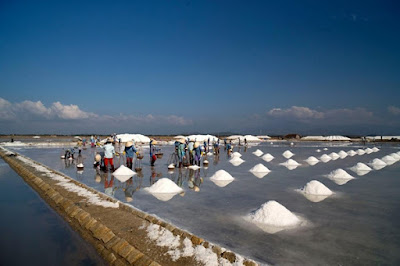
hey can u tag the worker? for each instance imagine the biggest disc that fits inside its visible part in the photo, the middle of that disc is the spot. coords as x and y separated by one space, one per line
190 150
181 151
197 153
109 152
130 151
153 156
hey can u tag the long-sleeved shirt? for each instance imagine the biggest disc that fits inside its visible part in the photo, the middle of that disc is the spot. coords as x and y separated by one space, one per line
109 151
130 151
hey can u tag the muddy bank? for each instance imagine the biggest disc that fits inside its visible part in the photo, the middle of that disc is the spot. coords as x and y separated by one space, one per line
118 233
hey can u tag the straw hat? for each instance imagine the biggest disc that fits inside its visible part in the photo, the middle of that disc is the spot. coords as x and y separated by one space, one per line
183 141
153 141
196 144
97 157
109 140
129 143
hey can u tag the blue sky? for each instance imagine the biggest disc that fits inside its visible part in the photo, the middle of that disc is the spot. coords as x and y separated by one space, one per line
166 67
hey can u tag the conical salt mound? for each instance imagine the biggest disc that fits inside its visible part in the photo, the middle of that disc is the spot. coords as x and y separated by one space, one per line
164 185
258 152
325 158
389 160
236 154
315 187
334 155
360 152
267 157
221 175
377 164
274 214
236 161
339 174
260 168
351 153
312 160
360 167
123 173
287 154
342 154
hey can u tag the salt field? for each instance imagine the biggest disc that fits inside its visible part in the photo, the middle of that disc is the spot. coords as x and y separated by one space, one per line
342 210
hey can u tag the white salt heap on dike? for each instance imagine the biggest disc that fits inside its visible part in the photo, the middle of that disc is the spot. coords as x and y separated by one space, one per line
236 161
267 157
258 153
123 173
287 154
273 217
396 156
221 178
260 168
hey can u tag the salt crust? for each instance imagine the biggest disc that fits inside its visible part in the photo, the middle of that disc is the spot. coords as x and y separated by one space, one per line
287 154
267 157
178 248
315 187
259 168
91 197
258 153
274 214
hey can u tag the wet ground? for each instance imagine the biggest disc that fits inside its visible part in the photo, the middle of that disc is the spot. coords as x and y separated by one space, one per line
360 224
32 233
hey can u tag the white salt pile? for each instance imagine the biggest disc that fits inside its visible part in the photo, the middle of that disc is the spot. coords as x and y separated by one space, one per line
164 185
274 214
325 149
334 155
395 156
339 174
80 165
325 158
377 164
164 189
369 150
236 161
267 157
312 160
260 168
360 152
375 149
315 187
351 152
171 166
221 178
342 154
287 154
389 160
258 153
290 164
361 169
236 154
123 173
318 150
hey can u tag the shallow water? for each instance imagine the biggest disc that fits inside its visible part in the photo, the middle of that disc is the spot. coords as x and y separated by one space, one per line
32 233
360 224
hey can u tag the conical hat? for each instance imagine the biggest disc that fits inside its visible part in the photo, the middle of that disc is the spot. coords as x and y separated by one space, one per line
196 144
129 143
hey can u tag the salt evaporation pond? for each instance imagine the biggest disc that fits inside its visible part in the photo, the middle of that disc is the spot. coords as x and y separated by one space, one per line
355 226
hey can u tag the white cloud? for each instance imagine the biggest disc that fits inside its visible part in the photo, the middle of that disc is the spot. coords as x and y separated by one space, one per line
296 112
36 108
69 111
394 110
6 112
